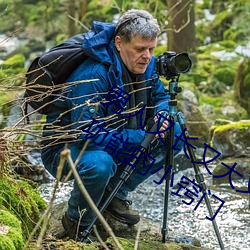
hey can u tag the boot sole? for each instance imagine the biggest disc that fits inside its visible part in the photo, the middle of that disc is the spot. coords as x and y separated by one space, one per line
121 219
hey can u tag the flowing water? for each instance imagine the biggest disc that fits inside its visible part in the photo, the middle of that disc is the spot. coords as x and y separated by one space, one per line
232 220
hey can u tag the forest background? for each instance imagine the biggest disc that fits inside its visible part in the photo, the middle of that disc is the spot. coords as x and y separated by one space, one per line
214 33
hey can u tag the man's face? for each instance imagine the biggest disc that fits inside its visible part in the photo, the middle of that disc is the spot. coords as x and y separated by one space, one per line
137 53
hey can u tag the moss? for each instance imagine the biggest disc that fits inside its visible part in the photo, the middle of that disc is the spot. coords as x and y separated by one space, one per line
16 237
9 219
214 101
128 244
12 67
6 243
236 125
225 75
13 71
13 239
242 84
221 132
228 45
6 96
16 61
21 199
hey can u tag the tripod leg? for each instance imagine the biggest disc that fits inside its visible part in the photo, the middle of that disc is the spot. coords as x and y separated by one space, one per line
199 178
169 162
164 229
125 175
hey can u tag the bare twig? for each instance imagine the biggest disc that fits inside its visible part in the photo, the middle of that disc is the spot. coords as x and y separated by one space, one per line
99 238
46 216
66 154
137 236
77 21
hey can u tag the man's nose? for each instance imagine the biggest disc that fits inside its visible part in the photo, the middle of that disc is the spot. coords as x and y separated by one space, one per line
146 54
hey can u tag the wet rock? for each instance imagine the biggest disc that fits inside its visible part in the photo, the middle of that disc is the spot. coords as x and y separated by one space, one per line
149 233
242 167
196 124
232 139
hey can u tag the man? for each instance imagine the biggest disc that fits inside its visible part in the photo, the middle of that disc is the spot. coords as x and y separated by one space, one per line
121 69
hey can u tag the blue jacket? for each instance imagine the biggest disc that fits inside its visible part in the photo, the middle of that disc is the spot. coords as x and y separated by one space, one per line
103 69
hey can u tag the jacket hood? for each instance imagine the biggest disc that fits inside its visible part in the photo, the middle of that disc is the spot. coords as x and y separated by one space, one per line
98 43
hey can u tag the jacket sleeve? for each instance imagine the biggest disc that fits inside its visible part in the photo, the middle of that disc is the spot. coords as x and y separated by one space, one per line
88 116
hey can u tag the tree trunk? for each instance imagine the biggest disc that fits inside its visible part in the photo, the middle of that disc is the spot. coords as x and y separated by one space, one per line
71 6
181 27
83 8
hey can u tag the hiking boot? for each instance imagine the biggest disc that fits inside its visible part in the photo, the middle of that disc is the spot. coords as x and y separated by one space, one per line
121 211
75 231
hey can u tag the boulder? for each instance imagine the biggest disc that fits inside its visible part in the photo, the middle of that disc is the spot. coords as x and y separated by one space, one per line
149 238
196 124
232 139
242 167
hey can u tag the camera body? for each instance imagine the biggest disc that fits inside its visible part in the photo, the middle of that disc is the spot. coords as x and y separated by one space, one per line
171 65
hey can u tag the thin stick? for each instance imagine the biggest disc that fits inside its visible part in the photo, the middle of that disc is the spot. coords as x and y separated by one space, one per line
66 154
99 238
137 236
45 217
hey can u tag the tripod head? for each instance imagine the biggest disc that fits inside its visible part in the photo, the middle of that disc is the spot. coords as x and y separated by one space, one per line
171 65
174 89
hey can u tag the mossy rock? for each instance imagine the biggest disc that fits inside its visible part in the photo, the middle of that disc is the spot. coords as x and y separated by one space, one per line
11 237
128 244
231 139
150 235
221 107
222 122
21 199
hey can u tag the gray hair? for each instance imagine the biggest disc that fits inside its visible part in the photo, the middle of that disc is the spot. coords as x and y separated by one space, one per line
137 22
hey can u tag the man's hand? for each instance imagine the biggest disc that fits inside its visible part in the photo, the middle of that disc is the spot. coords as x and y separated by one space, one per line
163 127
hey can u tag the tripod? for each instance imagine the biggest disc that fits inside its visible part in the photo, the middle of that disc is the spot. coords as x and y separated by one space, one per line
126 173
173 116
173 90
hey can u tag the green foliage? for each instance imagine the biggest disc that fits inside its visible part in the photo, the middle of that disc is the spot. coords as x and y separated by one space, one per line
214 101
12 67
224 75
17 61
229 23
242 84
219 102
160 49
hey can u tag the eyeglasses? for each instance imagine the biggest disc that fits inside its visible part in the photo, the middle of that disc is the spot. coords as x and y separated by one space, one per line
124 24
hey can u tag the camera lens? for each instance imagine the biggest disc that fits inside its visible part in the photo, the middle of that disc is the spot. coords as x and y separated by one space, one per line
182 63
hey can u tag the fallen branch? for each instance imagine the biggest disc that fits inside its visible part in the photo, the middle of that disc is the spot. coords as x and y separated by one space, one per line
66 154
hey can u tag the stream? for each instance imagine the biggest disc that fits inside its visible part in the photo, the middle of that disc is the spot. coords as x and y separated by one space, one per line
232 219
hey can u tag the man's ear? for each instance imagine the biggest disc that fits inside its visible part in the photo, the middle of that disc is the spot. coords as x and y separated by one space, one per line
118 42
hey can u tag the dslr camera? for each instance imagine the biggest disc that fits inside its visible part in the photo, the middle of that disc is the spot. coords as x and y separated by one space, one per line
171 65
